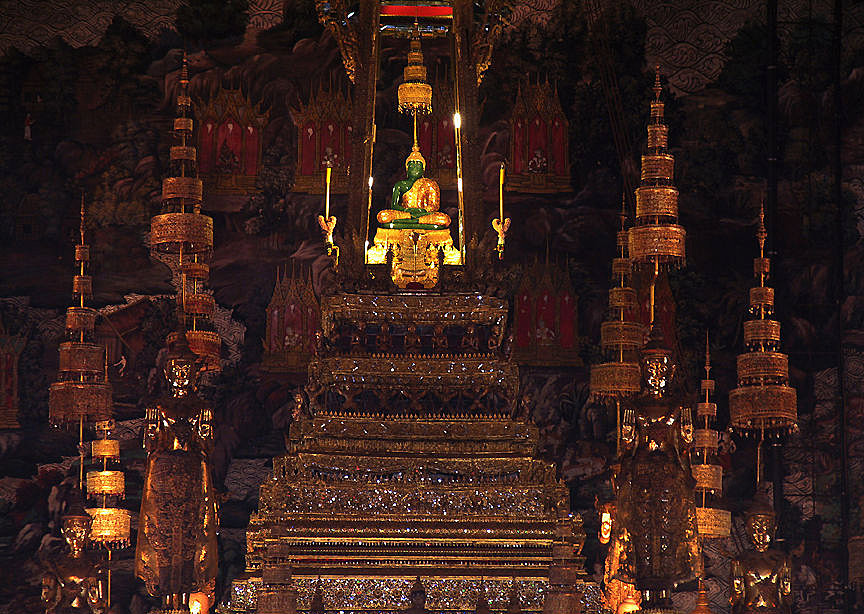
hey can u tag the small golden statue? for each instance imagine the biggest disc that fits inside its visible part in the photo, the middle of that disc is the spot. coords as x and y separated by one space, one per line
176 552
417 597
656 512
74 583
618 596
761 577
416 199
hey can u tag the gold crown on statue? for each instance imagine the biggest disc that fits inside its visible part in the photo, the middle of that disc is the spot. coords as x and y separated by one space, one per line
415 156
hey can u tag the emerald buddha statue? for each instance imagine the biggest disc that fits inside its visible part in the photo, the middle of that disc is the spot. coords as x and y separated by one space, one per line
416 199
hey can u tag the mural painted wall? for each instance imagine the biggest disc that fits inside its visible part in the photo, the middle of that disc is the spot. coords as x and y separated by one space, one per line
86 97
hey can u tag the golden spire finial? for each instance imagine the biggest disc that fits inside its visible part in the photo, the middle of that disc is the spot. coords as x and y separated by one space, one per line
761 232
702 605
183 100
184 70
657 87
414 93
415 156
81 225
707 356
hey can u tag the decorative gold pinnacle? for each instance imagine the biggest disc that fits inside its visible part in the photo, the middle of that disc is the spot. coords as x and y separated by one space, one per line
702 605
657 238
620 335
415 93
763 399
81 393
183 230
708 473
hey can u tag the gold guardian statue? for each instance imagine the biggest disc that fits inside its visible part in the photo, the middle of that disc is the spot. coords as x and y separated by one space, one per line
73 583
176 552
656 513
762 576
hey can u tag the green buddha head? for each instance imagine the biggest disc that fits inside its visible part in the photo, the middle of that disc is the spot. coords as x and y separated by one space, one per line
415 164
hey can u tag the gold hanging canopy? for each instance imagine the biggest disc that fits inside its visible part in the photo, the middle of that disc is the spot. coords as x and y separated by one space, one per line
763 399
656 237
71 402
415 93
713 522
611 379
105 448
205 344
111 526
190 232
108 483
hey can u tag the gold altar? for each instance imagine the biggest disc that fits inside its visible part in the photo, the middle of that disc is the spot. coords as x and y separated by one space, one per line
364 503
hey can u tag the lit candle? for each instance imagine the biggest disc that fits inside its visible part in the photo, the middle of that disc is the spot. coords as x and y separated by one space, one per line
327 196
501 193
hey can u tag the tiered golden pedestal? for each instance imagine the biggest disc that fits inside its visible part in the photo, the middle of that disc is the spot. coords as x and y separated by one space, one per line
367 502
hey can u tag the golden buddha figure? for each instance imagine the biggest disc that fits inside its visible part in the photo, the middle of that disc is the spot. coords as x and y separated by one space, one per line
74 583
762 576
656 513
417 598
416 199
176 551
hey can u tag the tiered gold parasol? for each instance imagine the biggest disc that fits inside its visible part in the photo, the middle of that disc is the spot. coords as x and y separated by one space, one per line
182 230
708 473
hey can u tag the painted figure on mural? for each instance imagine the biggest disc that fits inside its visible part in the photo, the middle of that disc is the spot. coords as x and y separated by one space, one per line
415 200
656 512
761 577
73 583
176 551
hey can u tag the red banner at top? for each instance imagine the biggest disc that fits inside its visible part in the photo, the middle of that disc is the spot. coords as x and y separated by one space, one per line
407 10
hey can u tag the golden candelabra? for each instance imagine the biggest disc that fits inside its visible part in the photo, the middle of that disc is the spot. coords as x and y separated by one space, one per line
501 224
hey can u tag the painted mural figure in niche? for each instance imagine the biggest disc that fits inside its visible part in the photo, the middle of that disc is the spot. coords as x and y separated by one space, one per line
656 513
176 552
415 200
73 583
538 163
761 577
